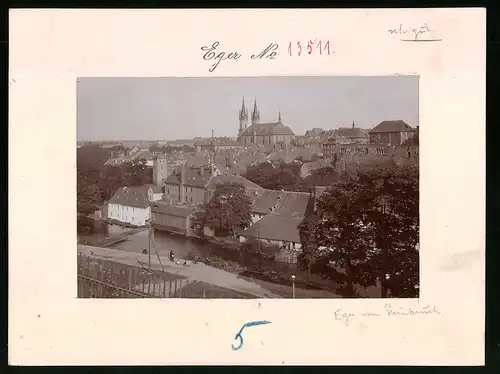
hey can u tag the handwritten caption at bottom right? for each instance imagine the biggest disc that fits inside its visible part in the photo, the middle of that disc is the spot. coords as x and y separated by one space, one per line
389 311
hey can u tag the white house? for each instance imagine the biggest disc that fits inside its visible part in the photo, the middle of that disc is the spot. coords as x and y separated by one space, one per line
154 192
131 205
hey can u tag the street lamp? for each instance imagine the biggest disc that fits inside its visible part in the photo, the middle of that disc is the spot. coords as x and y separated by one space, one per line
293 286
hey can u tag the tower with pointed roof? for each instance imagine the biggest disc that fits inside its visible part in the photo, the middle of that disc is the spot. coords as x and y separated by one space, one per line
243 117
255 113
279 117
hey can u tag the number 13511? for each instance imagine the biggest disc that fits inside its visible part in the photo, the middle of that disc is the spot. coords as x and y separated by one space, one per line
312 46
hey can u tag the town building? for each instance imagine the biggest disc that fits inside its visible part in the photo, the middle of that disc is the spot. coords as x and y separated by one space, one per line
188 186
279 231
276 216
160 170
155 193
261 133
329 148
351 135
285 203
173 218
131 205
392 133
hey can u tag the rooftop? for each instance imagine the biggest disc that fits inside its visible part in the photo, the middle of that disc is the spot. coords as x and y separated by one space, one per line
135 196
172 210
275 227
273 128
286 203
392 126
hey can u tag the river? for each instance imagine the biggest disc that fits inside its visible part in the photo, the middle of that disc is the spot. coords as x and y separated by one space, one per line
165 242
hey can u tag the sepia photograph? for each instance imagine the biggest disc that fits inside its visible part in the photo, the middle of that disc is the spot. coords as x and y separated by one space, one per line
300 187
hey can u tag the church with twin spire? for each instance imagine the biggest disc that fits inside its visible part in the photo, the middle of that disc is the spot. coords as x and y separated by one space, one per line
261 133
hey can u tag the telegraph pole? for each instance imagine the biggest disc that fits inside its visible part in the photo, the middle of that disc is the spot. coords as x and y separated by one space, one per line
149 246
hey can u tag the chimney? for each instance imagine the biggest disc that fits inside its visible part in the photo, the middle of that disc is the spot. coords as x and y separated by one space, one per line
183 181
352 124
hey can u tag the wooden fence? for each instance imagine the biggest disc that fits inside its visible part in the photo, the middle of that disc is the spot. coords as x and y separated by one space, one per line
98 278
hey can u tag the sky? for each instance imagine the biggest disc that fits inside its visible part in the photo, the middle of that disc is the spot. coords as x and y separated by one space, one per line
184 108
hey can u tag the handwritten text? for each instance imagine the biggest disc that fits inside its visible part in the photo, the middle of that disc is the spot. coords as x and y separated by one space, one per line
239 333
216 57
414 34
389 311
321 47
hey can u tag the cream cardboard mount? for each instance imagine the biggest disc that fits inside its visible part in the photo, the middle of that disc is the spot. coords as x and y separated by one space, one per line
50 49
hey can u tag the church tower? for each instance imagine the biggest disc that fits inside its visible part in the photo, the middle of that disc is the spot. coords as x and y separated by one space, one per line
255 113
243 118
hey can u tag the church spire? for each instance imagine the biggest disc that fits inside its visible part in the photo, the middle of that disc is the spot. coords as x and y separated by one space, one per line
279 117
243 110
352 124
255 112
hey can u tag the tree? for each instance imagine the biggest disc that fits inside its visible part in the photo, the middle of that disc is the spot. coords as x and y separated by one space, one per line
335 238
88 193
283 176
137 173
88 197
394 224
367 227
92 156
228 211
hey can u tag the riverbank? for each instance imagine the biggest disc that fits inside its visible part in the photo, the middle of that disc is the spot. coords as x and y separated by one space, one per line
204 273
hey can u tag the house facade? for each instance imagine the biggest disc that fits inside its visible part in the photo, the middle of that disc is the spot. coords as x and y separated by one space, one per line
130 205
188 186
172 218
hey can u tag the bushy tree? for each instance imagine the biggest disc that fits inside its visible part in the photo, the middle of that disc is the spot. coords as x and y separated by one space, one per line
228 211
366 229
395 228
282 176
137 173
336 237
88 194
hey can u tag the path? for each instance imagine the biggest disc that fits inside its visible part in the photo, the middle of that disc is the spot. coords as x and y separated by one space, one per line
198 272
